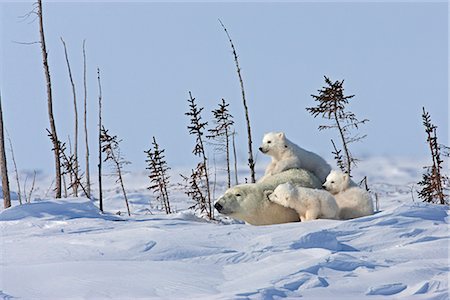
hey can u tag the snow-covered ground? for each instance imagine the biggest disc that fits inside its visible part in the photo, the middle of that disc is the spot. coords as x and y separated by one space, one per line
66 249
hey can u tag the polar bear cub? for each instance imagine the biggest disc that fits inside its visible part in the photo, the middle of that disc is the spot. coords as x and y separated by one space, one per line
310 204
352 200
287 155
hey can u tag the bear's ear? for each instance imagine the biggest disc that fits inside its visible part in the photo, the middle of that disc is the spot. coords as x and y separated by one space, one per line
267 193
281 135
346 181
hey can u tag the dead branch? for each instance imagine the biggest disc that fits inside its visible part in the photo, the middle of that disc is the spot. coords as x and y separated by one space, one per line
251 162
100 159
110 146
50 101
32 187
88 175
75 186
19 192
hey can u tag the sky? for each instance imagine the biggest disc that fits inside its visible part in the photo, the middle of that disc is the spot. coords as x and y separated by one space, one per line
393 57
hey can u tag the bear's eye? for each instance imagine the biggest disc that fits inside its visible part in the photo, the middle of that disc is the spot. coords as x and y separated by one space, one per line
268 142
332 182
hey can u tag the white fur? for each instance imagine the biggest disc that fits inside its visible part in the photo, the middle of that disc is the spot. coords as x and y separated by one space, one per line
310 204
249 202
353 201
287 155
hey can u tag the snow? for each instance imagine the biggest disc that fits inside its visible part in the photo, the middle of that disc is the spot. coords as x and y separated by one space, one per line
60 249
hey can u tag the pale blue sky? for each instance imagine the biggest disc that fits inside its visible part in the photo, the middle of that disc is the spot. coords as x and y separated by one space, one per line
393 56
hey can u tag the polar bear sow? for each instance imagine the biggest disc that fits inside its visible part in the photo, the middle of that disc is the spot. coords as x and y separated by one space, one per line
353 201
287 155
249 203
310 204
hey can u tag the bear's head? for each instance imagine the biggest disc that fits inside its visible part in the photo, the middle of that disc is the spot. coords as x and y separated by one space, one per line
236 200
336 182
282 194
273 143
249 203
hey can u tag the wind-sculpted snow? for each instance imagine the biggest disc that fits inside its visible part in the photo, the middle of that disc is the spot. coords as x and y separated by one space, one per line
57 249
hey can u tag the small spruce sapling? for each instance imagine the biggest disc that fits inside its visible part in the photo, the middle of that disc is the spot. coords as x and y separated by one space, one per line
110 146
331 106
197 128
159 176
222 132
433 181
194 187
69 165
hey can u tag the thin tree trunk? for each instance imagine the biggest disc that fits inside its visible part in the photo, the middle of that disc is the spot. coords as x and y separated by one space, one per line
25 188
50 103
235 158
251 162
100 198
19 192
436 174
64 185
165 193
88 176
344 144
119 173
3 163
227 145
32 187
75 150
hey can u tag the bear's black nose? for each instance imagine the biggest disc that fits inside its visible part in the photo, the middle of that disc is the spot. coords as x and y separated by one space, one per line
260 149
218 206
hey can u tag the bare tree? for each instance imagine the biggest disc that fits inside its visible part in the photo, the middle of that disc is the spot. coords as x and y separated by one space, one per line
110 146
197 128
221 133
19 192
75 149
251 162
3 163
88 175
433 181
331 106
50 101
100 159
159 177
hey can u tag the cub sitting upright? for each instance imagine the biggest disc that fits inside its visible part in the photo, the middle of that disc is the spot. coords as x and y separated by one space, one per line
352 200
287 155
